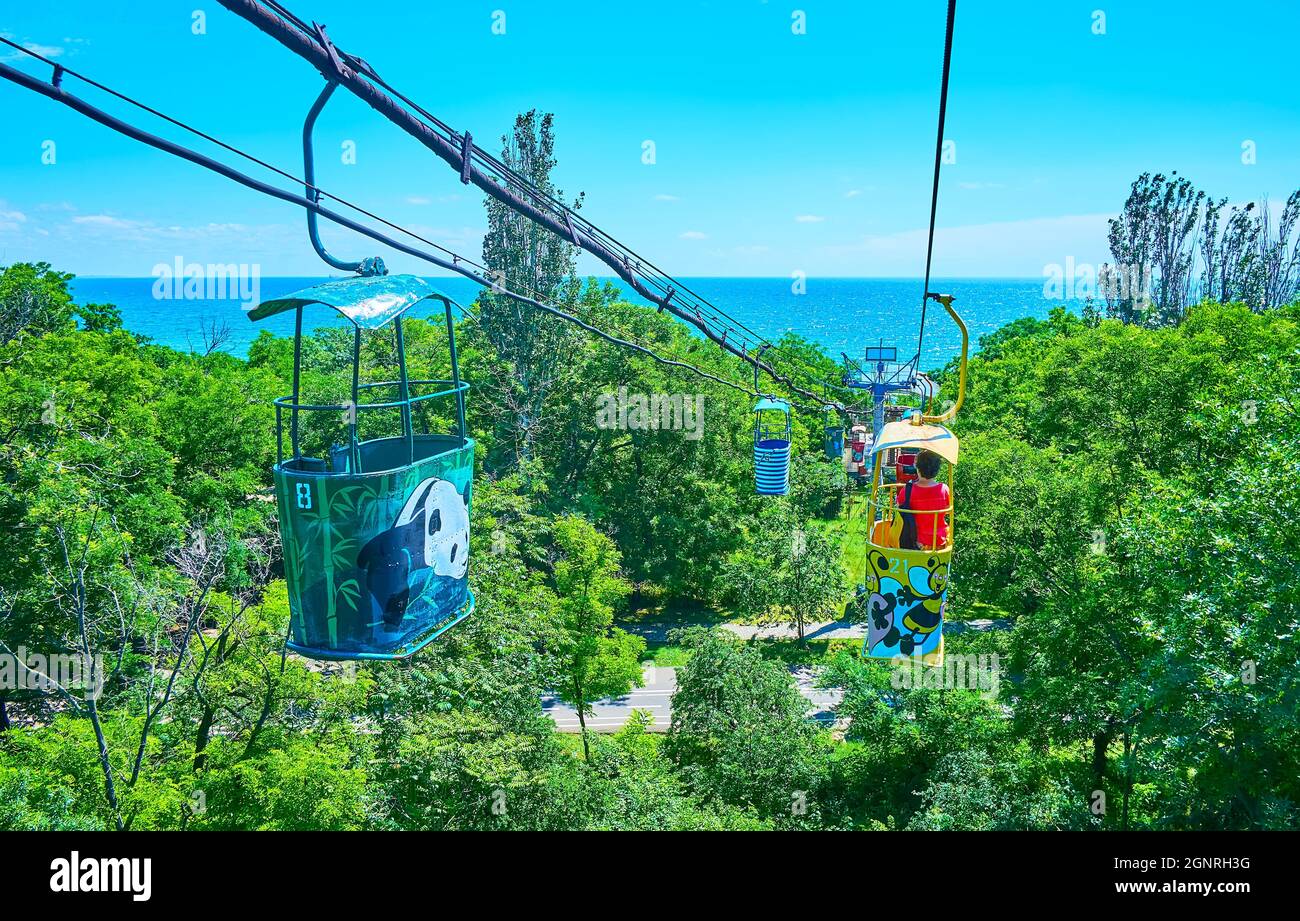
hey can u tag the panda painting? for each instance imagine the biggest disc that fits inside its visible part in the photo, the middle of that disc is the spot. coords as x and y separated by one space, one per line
431 532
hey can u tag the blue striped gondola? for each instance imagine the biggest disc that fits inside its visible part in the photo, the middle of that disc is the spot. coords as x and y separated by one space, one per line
771 447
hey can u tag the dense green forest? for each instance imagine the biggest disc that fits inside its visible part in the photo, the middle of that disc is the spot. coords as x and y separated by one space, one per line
1127 501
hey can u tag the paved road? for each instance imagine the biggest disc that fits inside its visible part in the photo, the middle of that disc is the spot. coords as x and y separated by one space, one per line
656 697
658 631
822 702
832 630
610 715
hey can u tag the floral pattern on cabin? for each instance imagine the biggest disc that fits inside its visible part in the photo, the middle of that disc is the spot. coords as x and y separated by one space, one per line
907 591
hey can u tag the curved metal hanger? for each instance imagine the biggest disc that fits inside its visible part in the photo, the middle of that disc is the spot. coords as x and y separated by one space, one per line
366 267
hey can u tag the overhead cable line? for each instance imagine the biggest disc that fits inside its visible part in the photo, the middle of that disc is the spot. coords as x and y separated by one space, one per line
938 162
456 263
655 276
484 171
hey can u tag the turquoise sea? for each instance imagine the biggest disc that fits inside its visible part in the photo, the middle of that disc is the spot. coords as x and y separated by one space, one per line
840 314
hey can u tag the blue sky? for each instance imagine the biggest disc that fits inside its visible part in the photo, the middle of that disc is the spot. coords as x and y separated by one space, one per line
775 152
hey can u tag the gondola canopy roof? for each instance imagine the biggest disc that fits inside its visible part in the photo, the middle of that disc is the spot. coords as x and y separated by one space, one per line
769 403
367 302
906 434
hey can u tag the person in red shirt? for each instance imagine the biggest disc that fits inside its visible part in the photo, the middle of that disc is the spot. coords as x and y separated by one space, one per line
929 495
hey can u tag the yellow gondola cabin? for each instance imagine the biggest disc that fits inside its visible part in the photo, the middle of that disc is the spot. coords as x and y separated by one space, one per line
908 562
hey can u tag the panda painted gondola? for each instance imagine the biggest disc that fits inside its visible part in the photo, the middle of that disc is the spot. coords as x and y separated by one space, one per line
431 532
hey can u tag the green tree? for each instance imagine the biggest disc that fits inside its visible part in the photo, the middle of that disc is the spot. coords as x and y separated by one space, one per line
34 300
740 732
817 486
99 318
596 659
1153 244
792 570
1004 789
531 346
1113 479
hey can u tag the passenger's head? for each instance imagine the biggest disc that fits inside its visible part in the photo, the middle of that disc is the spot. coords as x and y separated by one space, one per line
927 464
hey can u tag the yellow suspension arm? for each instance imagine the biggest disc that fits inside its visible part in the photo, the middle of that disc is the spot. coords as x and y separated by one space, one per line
946 301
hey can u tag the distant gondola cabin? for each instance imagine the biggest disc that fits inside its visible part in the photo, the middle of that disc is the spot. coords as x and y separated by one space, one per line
772 447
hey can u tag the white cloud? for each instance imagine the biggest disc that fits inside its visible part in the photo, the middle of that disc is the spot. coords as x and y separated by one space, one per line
135 242
9 220
105 220
694 235
423 200
463 239
663 197
49 51
46 51
809 219
1009 248
852 193
121 244
218 228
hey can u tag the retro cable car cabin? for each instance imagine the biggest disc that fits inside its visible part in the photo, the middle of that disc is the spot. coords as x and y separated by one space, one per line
906 589
833 443
376 529
771 446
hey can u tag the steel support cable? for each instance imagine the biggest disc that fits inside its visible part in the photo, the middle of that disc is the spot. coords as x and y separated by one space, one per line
507 175
144 107
58 94
322 193
90 81
535 296
503 173
358 81
665 282
649 272
697 304
687 297
938 161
